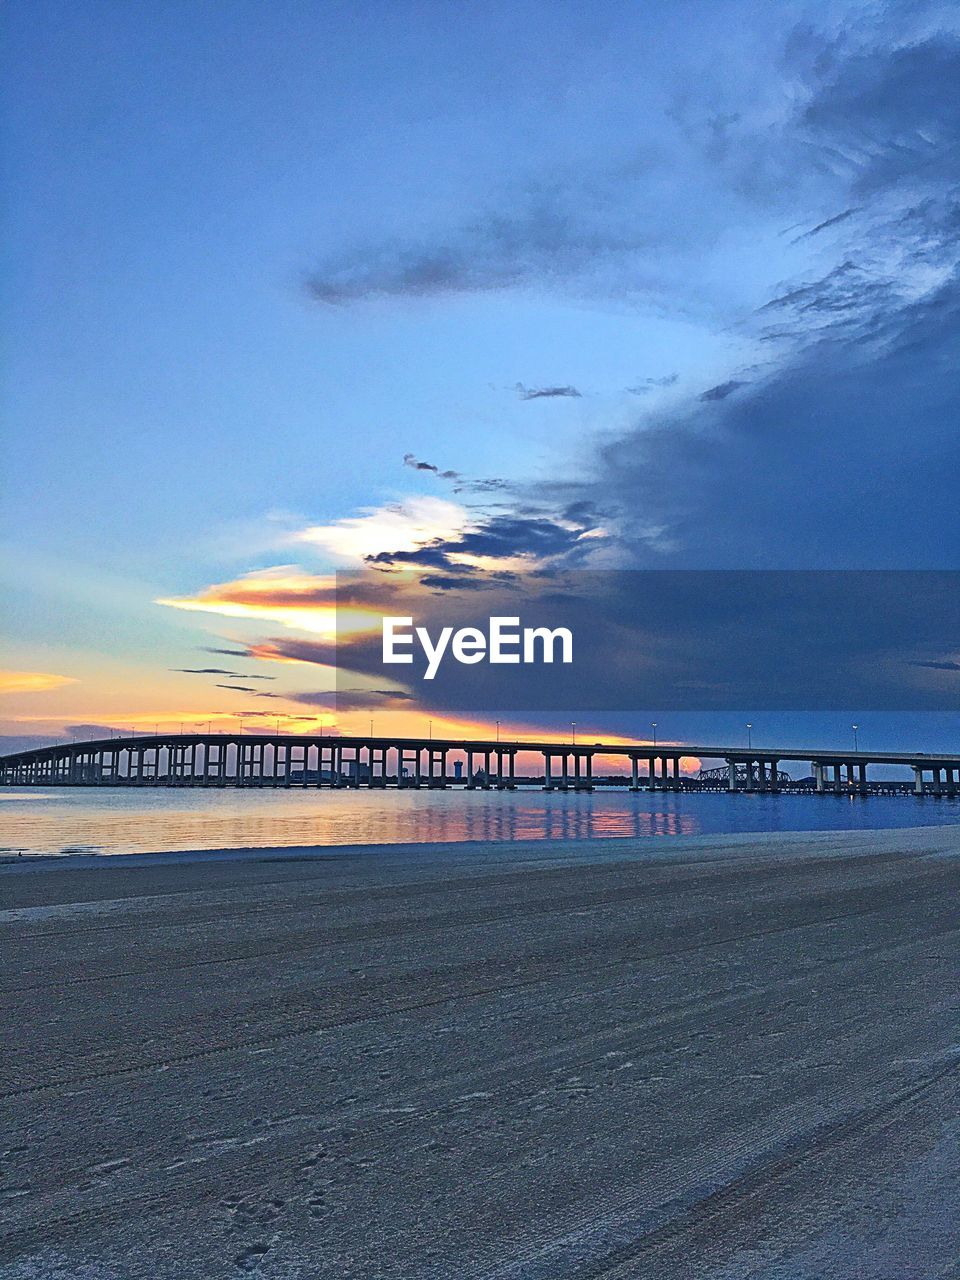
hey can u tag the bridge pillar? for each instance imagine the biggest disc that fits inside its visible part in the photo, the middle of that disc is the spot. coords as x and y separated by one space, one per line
732 784
634 774
937 786
437 768
862 779
651 773
918 779
837 778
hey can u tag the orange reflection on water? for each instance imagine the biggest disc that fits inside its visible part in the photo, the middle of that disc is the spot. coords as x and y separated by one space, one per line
138 821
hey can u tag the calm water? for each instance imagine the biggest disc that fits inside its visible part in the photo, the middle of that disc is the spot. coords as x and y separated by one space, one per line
41 820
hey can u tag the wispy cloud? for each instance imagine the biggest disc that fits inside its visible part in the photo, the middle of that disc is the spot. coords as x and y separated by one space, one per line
355 699
840 448
284 593
508 541
547 393
32 681
404 525
559 228
827 222
722 390
218 671
419 465
256 693
650 384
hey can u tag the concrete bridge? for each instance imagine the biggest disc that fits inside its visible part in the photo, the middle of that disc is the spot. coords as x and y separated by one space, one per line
272 760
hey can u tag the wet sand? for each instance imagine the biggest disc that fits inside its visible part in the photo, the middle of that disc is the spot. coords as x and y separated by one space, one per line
730 1057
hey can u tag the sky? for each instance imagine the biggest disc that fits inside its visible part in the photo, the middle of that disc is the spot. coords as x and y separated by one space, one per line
299 288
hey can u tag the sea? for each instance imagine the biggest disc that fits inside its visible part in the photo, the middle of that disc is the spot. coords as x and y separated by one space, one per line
100 820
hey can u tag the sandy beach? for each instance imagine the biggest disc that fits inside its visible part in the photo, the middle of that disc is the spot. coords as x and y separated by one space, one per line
728 1057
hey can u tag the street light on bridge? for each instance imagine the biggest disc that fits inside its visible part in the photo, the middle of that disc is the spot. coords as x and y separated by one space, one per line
749 735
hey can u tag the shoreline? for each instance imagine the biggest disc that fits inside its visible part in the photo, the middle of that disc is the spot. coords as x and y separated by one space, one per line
591 848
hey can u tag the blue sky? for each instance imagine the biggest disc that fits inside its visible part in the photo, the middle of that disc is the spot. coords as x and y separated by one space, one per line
257 255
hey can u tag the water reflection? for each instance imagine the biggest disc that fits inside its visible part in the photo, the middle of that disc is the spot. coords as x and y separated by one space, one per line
148 821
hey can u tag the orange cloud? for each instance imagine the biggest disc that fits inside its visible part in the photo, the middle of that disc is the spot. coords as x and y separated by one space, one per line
284 594
31 681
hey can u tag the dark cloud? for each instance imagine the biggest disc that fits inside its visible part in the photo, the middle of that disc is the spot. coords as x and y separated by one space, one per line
938 666
410 461
294 649
842 450
501 537
556 229
850 302
649 384
828 222
205 671
240 688
722 390
693 640
219 671
490 484
342 700
841 455
546 393
227 653
874 113
893 114
465 580
89 731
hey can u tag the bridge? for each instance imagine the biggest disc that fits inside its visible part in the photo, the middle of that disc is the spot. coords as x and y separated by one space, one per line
279 760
